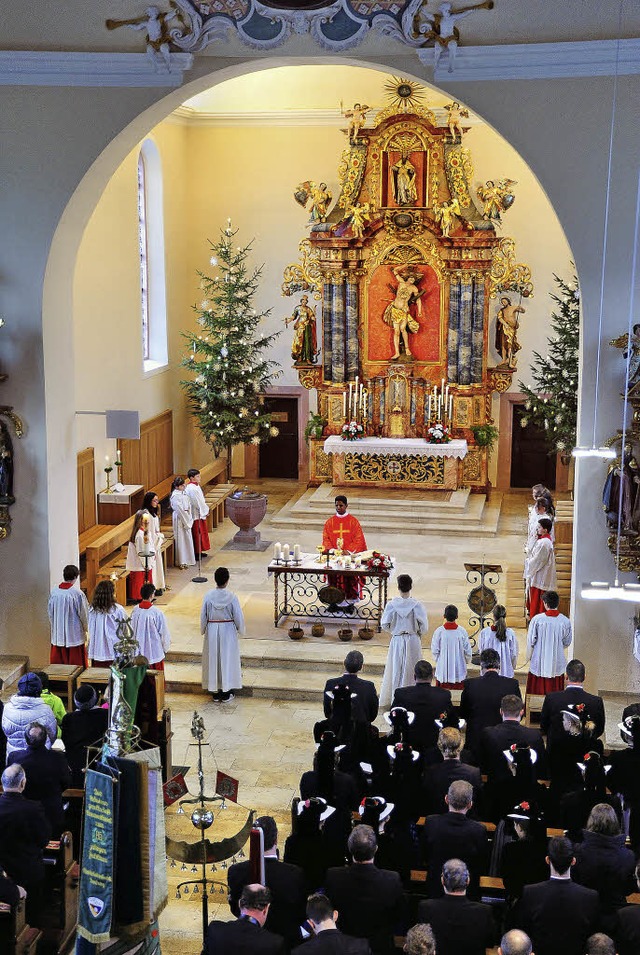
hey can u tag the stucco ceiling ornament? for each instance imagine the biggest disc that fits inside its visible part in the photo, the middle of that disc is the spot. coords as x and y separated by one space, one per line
266 24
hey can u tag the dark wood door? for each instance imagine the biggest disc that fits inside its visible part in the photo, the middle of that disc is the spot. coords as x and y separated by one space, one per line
531 462
279 455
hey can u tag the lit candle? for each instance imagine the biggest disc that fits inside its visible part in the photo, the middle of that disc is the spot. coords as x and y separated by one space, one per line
429 409
277 550
450 408
107 459
117 454
286 551
435 393
350 390
344 405
442 385
296 551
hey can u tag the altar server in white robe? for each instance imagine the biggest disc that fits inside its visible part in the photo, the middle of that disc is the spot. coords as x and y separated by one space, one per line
541 568
150 629
182 523
199 511
406 618
451 649
221 621
151 504
68 611
548 635
142 569
104 616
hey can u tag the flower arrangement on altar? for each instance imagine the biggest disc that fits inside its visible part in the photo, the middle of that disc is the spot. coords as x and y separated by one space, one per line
352 431
379 561
438 434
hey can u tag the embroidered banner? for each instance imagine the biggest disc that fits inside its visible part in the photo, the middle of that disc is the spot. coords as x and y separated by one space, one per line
95 906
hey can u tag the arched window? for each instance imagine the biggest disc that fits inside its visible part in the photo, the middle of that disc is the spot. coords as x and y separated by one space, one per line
153 294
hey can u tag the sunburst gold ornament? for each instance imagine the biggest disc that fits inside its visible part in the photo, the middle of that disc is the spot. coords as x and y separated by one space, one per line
404 94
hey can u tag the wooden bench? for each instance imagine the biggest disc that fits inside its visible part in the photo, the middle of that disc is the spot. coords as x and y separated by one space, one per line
89 536
106 557
533 704
16 937
216 498
63 679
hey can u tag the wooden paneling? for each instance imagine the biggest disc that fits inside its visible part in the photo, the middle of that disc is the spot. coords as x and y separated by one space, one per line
86 490
149 460
563 527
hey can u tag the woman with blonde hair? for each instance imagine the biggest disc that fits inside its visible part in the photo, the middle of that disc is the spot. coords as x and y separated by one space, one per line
142 569
104 616
501 638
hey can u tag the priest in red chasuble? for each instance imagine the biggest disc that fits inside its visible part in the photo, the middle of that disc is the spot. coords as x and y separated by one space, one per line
343 532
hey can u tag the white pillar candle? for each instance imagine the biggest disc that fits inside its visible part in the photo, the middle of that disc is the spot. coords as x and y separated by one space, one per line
350 390
450 408
285 552
344 404
429 409
296 551
277 550
442 385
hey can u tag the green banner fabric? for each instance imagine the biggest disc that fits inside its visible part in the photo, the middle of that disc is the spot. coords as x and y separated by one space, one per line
95 906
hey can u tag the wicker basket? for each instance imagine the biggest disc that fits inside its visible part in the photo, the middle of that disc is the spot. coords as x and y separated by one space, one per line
296 632
345 634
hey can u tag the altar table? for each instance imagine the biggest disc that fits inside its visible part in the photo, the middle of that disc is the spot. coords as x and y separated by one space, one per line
395 462
300 583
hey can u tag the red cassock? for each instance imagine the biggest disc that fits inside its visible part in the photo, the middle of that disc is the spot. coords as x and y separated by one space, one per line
348 529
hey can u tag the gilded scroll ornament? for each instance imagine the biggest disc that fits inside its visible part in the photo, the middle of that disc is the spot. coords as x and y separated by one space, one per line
305 275
351 172
403 222
459 168
500 381
376 468
508 275
310 377
472 466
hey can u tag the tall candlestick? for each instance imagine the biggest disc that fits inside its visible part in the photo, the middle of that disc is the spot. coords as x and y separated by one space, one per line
450 409
429 409
350 391
344 405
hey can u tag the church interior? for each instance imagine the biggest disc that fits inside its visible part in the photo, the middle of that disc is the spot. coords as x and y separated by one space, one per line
411 206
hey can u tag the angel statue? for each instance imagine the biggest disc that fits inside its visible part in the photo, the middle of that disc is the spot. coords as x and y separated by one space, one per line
319 198
631 346
497 197
454 120
397 314
446 213
357 118
156 23
359 216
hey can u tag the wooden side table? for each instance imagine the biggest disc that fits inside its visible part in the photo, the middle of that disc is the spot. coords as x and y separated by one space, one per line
63 679
116 506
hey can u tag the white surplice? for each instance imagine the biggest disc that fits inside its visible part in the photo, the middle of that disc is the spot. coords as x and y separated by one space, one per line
549 633
151 631
199 507
103 631
156 540
541 565
221 621
406 618
507 650
135 562
69 617
182 523
452 651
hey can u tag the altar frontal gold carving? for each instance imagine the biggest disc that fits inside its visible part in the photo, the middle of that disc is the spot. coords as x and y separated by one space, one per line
394 468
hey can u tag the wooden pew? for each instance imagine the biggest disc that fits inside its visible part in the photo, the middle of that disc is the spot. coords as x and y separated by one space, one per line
16 937
107 555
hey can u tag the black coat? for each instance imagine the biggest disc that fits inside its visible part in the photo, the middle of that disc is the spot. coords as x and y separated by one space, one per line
241 937
333 942
453 836
627 930
48 775
523 862
365 708
558 916
81 729
438 777
428 703
288 889
604 864
480 703
555 703
493 742
460 926
24 832
370 903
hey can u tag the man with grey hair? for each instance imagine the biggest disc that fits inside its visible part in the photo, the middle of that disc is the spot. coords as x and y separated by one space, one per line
48 774
453 835
515 942
459 925
370 901
600 944
247 935
24 832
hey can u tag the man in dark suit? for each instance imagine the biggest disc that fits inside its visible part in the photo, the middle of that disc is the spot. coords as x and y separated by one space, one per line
458 924
439 776
83 728
573 695
494 740
285 881
48 774
453 835
558 915
247 934
481 698
24 833
428 703
327 939
370 901
365 708
627 929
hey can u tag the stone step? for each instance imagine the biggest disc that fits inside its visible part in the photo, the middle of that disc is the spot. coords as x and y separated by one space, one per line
374 667
12 666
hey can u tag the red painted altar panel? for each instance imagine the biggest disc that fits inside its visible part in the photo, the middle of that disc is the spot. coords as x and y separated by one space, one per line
425 344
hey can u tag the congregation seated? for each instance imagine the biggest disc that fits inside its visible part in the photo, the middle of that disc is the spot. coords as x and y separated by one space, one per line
309 846
330 783
438 776
481 698
51 699
627 928
47 772
575 807
569 749
286 883
24 833
604 863
573 696
327 938
247 935
428 704
522 860
600 944
454 835
420 940
458 924
369 900
26 707
366 697
624 777
558 915
397 847
83 728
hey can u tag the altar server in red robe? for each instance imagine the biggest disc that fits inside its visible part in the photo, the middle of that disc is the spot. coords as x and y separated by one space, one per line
69 618
199 511
540 568
548 636
150 629
343 532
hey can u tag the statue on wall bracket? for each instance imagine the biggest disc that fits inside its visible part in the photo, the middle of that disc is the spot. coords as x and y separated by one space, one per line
507 324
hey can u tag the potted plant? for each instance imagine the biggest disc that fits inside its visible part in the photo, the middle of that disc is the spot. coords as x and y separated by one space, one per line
315 426
485 435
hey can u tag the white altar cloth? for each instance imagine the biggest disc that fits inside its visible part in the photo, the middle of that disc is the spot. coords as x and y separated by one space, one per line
405 446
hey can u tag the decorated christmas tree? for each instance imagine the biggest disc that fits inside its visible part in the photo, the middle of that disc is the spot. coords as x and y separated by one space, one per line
226 358
552 403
